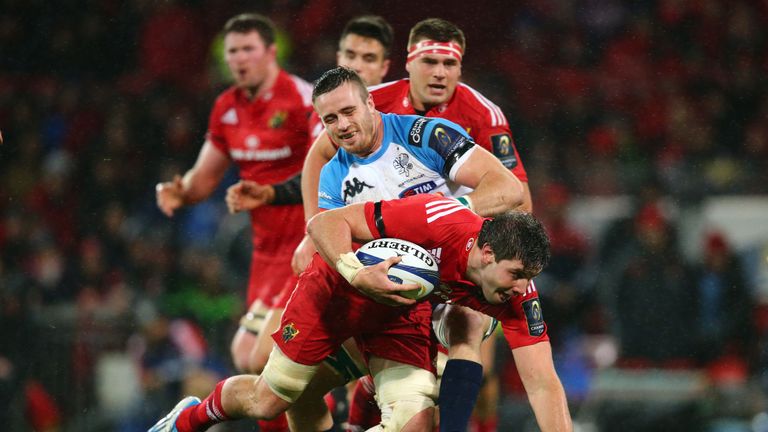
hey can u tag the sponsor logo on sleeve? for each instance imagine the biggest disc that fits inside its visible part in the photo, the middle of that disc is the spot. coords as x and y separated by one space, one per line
415 134
534 317
445 140
504 149
230 117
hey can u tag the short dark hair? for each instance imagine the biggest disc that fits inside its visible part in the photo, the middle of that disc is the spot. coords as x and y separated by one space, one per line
517 235
371 26
334 78
248 22
439 30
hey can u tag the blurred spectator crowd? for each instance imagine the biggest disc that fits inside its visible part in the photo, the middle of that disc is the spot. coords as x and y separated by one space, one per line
99 100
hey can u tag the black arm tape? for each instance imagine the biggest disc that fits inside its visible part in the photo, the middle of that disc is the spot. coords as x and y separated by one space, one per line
379 219
456 154
288 192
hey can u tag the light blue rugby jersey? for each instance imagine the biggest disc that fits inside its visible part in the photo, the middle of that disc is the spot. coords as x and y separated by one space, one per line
414 156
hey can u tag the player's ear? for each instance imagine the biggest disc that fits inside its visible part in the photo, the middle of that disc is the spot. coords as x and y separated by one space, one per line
488 257
272 51
384 68
370 103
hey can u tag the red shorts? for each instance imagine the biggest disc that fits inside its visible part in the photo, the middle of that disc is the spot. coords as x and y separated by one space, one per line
324 311
269 279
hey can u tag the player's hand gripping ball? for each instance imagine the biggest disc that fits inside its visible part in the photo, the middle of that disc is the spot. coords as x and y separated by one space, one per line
417 266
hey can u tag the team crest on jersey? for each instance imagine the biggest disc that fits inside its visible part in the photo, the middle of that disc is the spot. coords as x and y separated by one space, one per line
229 117
504 149
534 317
277 119
415 134
403 164
289 332
420 188
470 243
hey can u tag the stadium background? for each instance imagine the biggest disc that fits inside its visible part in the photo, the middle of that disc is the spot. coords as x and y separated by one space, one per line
644 129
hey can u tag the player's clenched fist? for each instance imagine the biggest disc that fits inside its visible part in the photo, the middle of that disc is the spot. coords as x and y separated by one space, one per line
248 195
170 195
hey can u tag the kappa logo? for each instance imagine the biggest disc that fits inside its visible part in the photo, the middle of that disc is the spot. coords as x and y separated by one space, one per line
402 164
289 332
230 117
354 187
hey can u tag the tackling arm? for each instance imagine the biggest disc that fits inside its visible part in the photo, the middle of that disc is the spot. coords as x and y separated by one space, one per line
496 189
321 151
333 231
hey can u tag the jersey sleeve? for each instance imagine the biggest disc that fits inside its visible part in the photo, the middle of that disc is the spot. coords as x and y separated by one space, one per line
419 218
215 133
523 320
329 188
498 140
443 144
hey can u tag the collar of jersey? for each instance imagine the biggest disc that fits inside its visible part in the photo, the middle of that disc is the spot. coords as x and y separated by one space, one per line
385 141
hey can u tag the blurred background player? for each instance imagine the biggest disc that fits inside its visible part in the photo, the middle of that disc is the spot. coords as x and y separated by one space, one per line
435 51
364 46
260 124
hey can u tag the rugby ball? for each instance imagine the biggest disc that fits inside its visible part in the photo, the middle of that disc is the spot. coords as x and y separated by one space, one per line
417 266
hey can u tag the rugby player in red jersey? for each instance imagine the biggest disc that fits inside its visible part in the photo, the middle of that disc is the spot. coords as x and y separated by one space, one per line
259 124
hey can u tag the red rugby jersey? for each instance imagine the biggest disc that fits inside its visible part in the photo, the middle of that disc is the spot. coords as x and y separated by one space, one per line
449 230
481 118
267 138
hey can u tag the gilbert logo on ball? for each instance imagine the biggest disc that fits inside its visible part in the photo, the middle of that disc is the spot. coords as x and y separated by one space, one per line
417 266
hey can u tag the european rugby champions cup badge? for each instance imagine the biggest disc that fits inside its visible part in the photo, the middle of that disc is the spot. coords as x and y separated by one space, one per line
534 317
289 332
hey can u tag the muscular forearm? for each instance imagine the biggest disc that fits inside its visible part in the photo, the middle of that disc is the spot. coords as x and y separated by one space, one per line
551 408
527 205
331 235
496 193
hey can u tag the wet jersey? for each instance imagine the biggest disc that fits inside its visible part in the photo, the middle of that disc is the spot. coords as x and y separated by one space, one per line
417 155
449 231
480 117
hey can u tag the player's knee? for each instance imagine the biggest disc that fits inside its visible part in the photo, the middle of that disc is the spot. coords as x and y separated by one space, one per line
406 396
464 326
